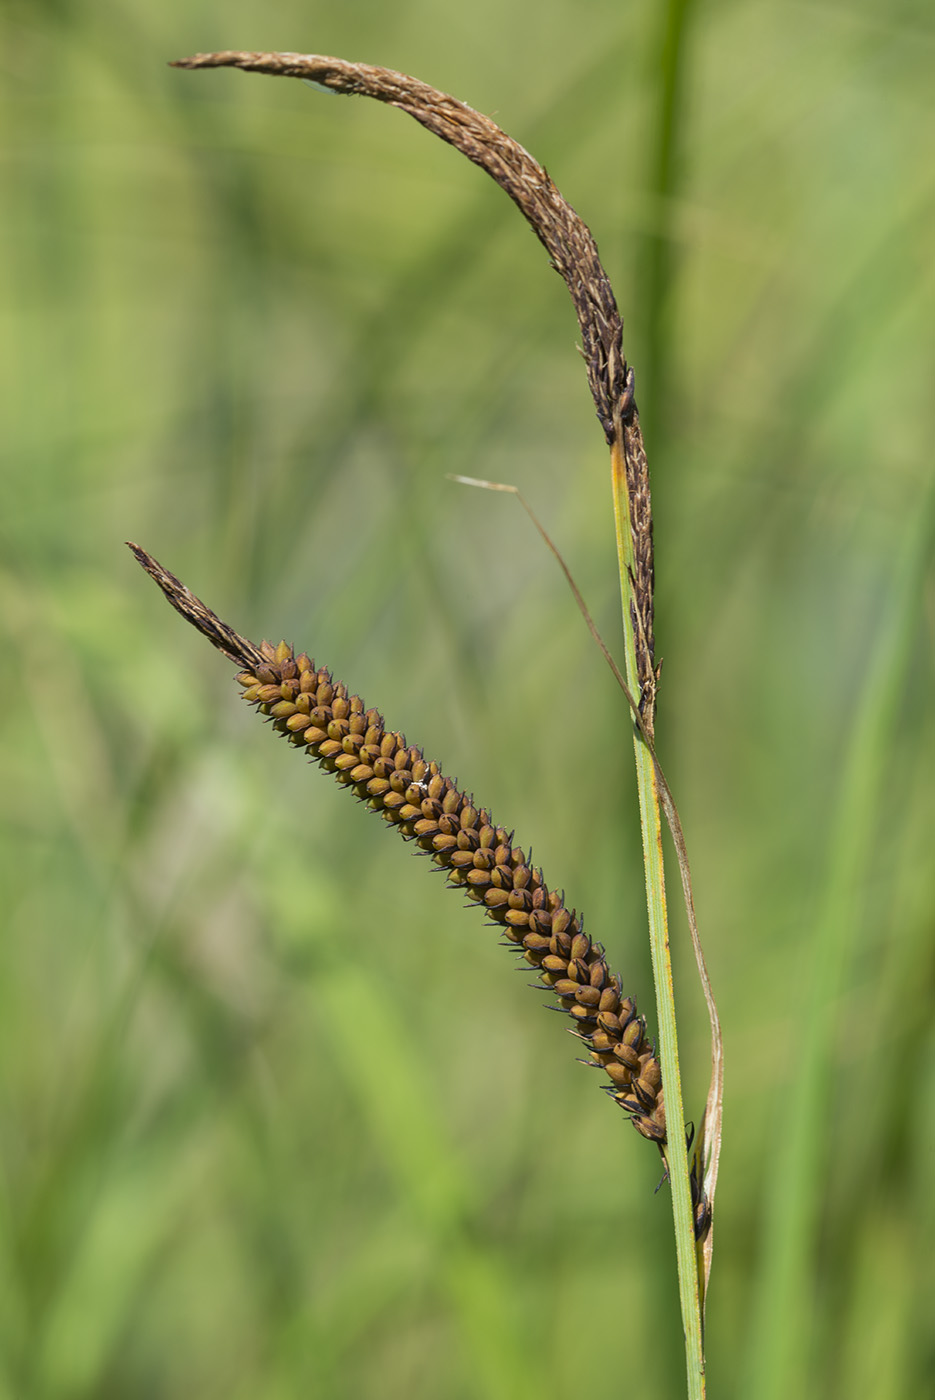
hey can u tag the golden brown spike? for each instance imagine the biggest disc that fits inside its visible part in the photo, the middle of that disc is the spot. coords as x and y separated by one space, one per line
318 715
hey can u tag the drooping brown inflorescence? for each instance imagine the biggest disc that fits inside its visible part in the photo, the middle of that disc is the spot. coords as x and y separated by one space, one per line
347 739
573 253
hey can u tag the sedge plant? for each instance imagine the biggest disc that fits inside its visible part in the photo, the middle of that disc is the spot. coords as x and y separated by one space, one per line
481 859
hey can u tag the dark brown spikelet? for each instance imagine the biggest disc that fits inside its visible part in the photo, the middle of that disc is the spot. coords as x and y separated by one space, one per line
572 251
392 777
564 235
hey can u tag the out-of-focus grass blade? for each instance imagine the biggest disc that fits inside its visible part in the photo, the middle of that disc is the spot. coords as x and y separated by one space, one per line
782 1341
396 1099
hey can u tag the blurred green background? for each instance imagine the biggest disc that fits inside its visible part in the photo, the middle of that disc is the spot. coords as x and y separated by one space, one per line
278 1117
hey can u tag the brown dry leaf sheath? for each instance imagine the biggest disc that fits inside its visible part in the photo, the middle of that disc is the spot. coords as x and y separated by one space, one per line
392 777
571 248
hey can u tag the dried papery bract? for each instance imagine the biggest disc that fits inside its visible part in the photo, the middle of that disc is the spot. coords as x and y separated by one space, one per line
321 718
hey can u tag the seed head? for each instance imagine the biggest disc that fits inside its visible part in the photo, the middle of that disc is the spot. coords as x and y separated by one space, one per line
392 777
315 713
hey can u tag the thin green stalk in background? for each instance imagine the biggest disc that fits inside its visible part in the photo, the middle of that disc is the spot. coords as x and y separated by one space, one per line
669 66
782 1349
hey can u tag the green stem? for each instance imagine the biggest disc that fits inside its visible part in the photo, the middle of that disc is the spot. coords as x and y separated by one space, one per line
670 62
676 1151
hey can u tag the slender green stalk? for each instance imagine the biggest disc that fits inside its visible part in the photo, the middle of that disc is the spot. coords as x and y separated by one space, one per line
676 1151
670 65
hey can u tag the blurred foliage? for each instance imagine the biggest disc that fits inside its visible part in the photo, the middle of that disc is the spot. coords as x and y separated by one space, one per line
253 327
